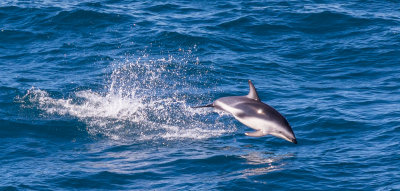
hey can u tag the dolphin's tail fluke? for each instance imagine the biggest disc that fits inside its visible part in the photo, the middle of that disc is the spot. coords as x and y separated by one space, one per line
209 105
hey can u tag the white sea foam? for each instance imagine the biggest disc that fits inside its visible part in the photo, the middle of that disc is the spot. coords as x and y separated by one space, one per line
142 101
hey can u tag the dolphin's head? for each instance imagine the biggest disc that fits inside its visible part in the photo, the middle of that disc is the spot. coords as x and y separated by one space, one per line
284 132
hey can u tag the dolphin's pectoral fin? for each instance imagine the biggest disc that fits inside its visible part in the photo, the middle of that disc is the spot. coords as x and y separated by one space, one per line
255 134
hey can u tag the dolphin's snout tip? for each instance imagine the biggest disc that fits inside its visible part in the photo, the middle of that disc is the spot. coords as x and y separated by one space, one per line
294 141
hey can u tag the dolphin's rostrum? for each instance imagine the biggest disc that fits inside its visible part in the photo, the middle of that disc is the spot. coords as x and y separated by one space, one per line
255 114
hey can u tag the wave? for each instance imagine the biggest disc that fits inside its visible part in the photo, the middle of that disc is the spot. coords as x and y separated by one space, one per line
170 8
251 24
326 22
182 39
85 18
241 21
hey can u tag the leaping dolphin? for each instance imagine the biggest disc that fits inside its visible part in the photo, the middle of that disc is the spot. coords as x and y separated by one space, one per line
255 114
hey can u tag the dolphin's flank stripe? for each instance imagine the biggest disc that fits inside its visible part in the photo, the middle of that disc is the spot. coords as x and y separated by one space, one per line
209 105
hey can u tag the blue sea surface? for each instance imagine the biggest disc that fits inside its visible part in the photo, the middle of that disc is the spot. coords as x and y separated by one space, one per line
97 95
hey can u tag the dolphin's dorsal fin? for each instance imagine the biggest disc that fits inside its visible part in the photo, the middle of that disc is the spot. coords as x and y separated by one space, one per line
253 93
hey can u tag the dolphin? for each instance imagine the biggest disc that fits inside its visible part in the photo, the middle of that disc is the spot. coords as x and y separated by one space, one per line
255 114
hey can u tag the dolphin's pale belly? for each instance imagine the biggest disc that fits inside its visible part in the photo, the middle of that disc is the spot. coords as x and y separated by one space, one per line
256 123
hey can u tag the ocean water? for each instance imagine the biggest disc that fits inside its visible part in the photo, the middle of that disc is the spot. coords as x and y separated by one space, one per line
97 95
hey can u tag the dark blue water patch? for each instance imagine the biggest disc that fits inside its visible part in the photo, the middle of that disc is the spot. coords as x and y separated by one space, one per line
51 129
24 17
331 21
16 37
8 188
266 28
104 179
89 20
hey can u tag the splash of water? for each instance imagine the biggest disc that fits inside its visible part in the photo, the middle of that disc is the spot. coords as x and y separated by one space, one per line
144 99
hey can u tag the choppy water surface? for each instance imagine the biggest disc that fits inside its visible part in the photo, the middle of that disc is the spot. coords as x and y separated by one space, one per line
98 94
